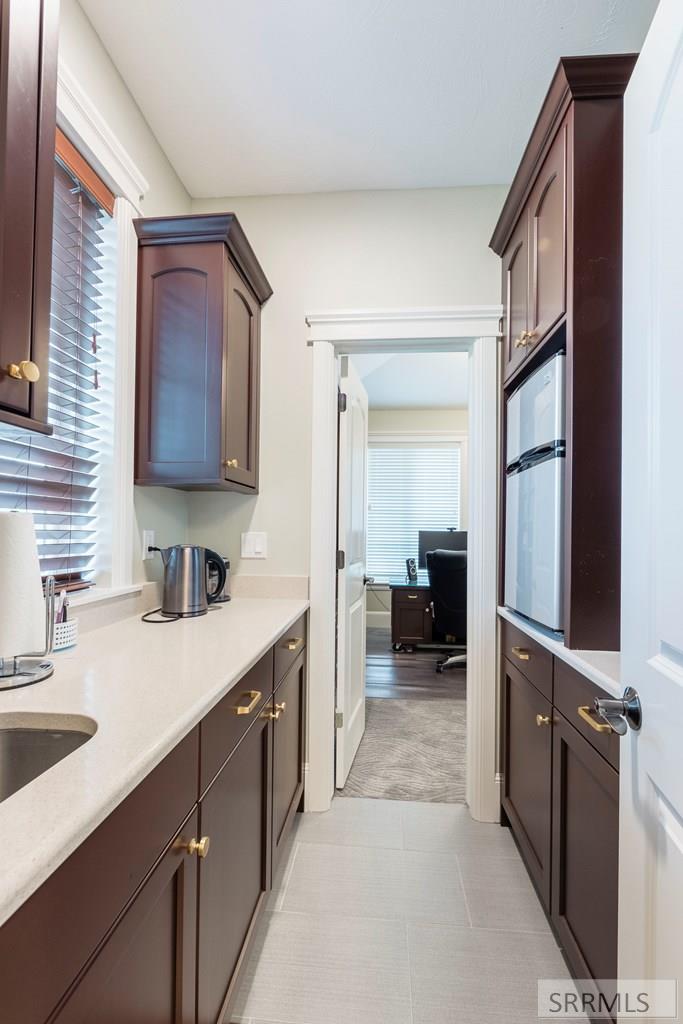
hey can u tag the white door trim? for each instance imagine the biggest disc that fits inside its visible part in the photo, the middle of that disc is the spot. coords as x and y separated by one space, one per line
464 329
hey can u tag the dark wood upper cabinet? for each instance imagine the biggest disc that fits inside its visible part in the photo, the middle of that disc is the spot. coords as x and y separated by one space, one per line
28 104
565 205
200 292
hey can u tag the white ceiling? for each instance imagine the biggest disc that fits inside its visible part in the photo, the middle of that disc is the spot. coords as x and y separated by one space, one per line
268 96
407 380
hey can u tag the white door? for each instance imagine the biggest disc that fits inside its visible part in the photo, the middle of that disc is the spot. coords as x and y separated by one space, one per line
352 519
651 770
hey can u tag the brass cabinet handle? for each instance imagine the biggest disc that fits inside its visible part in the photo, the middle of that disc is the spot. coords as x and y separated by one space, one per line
25 371
543 720
293 643
198 847
412 597
231 463
246 709
585 713
520 342
273 715
521 653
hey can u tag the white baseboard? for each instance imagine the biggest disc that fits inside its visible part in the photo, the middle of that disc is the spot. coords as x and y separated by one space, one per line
379 619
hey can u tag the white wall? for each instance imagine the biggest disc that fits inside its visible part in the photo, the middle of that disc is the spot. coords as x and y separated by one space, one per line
405 421
82 52
354 250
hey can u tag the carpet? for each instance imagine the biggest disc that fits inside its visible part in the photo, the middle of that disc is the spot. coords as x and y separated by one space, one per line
411 750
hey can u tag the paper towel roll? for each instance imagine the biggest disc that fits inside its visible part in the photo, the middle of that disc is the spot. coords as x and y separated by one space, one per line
22 607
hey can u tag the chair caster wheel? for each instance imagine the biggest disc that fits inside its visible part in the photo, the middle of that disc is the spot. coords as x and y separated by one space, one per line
397 648
439 667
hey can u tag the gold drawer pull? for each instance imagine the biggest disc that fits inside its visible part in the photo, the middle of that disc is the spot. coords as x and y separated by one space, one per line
25 370
585 713
412 597
274 714
293 643
231 463
246 709
521 653
198 847
543 720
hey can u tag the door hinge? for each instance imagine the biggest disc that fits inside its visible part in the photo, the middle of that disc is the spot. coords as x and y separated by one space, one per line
339 719
341 401
341 560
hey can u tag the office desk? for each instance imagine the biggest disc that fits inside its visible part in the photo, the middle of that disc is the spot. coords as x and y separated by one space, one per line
411 614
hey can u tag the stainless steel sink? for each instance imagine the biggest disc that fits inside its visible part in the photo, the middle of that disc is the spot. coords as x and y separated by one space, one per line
32 743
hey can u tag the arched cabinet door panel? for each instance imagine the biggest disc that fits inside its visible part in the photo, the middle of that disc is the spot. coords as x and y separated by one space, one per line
516 296
548 242
240 461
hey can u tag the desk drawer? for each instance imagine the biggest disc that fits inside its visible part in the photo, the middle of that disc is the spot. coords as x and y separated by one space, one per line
226 724
289 647
529 657
574 691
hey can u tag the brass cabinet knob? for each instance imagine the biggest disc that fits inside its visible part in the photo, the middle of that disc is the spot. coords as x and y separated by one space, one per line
281 707
293 643
543 720
274 713
231 463
521 653
520 342
200 847
25 371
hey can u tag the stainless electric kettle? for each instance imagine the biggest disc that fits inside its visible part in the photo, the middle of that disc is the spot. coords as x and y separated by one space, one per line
185 579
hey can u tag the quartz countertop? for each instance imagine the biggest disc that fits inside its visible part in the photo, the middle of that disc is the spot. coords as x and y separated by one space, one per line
145 686
601 667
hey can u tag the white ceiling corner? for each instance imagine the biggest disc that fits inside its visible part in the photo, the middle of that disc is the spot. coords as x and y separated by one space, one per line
414 380
272 97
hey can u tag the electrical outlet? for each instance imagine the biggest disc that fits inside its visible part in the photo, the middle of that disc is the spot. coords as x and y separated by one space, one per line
254 545
148 542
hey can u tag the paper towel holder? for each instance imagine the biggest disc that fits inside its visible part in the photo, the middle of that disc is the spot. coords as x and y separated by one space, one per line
25 669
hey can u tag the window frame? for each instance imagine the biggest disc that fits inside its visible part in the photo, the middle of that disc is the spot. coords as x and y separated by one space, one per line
86 130
429 439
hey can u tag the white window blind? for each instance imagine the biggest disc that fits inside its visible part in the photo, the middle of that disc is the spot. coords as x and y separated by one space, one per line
411 487
62 478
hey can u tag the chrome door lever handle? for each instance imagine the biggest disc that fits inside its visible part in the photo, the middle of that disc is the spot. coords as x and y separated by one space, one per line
621 714
368 579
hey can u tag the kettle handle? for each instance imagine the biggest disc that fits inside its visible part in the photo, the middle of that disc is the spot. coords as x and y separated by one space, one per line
213 559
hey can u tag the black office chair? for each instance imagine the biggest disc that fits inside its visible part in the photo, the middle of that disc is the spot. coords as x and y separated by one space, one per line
448 584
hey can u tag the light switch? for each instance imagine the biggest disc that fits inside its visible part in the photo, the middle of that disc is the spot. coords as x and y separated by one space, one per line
254 545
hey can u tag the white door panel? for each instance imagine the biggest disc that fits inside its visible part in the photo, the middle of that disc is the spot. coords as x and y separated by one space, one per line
352 529
651 776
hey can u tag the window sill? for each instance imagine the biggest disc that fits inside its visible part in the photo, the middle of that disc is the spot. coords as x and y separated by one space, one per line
97 595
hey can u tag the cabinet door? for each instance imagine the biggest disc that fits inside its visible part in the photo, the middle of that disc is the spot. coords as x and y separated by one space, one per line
411 616
527 773
547 229
288 752
235 876
585 853
180 363
242 384
28 83
516 296
145 970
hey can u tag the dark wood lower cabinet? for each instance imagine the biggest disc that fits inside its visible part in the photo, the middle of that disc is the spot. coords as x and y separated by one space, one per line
234 877
411 615
144 926
528 773
585 853
288 752
144 973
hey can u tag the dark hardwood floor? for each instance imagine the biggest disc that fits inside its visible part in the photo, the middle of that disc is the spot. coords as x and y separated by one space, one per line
411 676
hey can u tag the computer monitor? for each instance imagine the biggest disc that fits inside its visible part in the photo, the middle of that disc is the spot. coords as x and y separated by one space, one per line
431 540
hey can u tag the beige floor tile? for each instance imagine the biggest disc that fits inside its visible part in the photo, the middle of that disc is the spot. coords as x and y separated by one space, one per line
328 970
449 827
355 822
506 909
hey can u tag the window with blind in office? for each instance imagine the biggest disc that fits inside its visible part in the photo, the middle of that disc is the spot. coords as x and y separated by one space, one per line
64 479
411 487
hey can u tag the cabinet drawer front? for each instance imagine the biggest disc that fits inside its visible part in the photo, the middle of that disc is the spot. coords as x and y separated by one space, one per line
288 752
235 875
574 691
585 853
528 732
226 724
529 657
289 647
411 596
52 935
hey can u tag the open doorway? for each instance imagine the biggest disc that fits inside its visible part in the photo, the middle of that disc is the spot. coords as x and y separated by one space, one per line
415 564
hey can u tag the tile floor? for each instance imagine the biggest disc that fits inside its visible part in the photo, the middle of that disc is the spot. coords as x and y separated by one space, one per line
387 912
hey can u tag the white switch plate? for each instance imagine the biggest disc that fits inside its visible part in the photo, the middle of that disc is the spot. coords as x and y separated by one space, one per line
254 545
148 541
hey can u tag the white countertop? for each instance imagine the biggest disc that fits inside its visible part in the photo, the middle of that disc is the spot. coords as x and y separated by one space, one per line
601 667
146 686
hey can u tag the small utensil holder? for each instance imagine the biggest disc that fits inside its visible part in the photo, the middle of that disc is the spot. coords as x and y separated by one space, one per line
66 634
